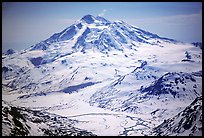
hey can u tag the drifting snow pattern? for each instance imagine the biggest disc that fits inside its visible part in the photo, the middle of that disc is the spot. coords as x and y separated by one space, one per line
98 77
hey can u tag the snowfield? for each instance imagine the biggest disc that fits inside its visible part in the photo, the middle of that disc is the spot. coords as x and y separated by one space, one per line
106 78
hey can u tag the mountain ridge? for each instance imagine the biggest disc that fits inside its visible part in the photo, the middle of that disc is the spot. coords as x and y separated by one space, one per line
115 29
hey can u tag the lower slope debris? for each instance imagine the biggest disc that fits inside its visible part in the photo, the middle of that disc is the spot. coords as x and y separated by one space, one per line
18 121
186 123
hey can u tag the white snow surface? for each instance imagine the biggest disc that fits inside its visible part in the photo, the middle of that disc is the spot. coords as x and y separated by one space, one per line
99 88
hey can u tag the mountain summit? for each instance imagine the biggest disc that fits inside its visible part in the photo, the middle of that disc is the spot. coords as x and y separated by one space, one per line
88 19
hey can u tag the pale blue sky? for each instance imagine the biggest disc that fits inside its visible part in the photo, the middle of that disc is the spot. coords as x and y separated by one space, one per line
27 23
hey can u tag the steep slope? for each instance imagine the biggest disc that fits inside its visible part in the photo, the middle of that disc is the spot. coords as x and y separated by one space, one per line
198 44
99 33
174 84
186 123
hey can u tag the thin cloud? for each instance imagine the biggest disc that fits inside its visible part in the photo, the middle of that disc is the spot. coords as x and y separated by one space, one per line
168 19
102 13
185 28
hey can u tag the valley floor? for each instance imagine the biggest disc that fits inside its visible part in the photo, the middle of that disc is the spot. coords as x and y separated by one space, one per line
99 121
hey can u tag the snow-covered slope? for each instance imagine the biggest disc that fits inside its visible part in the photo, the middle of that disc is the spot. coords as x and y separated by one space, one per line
100 34
186 123
198 44
18 121
108 70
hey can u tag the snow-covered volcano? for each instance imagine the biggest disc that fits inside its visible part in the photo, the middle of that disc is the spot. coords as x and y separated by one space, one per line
111 77
100 34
